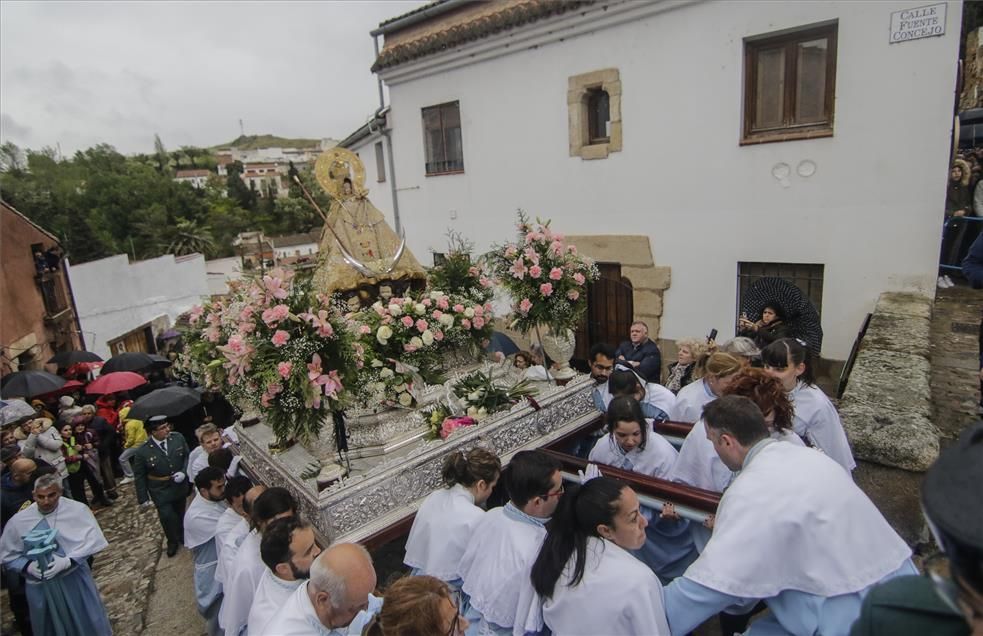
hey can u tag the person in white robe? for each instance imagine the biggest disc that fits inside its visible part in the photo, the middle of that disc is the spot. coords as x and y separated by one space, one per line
496 563
630 445
61 593
720 369
792 529
584 574
657 401
336 601
233 525
448 516
288 548
209 439
816 419
242 580
200 527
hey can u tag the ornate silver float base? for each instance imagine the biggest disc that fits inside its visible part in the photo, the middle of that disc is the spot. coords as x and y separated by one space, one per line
384 489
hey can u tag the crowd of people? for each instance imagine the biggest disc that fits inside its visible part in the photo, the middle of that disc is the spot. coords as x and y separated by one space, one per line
792 534
964 200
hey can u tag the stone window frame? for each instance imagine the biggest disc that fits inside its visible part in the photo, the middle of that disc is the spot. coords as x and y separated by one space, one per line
578 88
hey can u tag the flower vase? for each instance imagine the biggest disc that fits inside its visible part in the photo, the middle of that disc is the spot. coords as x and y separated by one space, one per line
560 348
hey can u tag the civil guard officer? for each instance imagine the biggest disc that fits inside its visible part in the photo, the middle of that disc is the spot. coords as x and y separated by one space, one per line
160 469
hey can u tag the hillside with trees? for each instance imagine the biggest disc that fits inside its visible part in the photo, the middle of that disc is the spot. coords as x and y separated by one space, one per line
100 202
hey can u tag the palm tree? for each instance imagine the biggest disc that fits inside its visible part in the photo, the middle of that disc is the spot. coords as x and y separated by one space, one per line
191 238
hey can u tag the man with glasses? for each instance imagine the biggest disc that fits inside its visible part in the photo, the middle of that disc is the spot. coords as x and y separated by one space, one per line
496 564
792 530
160 470
936 604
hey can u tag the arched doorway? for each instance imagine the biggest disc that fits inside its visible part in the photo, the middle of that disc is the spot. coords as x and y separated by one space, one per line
610 311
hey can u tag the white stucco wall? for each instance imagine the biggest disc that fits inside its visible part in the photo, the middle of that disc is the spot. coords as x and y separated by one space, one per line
114 296
871 213
220 271
380 194
305 249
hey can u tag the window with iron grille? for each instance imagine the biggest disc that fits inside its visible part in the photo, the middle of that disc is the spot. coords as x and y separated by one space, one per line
789 81
807 277
442 139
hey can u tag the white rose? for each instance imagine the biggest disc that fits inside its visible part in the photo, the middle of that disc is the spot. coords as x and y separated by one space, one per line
420 309
482 412
383 334
469 312
434 295
399 388
405 399
416 342
377 306
427 337
395 309
447 320
409 302
386 373
473 396
376 363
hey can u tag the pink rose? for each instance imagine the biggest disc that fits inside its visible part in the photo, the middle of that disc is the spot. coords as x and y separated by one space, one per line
408 348
473 271
525 306
443 303
478 322
479 310
438 335
421 325
488 308
485 282
284 369
556 248
579 278
364 329
280 338
511 251
535 271
275 314
573 294
572 249
407 321
556 273
437 314
546 289
459 308
426 302
465 323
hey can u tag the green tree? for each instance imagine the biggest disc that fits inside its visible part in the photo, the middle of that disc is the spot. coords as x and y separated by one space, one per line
191 238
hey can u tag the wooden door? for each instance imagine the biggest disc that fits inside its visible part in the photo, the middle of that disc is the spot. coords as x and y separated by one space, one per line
610 311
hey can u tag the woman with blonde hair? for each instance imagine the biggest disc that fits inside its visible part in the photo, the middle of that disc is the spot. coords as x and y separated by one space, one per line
418 606
687 366
719 369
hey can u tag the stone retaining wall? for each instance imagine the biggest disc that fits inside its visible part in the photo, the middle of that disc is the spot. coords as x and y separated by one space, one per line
887 407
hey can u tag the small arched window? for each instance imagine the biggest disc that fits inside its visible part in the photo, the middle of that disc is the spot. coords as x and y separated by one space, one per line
598 116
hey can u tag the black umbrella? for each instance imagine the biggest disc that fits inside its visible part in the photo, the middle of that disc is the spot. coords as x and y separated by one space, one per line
801 317
160 362
65 359
27 384
130 361
169 401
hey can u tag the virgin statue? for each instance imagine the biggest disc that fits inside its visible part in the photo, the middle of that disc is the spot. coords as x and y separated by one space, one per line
360 255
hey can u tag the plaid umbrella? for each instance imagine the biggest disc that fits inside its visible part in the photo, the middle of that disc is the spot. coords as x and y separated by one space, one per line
801 316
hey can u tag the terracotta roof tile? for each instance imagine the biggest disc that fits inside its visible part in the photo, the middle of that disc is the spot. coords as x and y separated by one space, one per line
482 25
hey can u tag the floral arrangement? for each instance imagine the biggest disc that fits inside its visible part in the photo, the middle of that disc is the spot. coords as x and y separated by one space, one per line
546 278
458 275
275 345
478 396
408 339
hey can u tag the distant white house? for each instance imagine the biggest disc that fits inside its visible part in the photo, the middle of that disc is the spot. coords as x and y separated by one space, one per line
124 306
197 178
292 248
690 146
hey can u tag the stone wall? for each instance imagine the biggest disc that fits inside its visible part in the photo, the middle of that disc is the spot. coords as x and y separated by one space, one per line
887 407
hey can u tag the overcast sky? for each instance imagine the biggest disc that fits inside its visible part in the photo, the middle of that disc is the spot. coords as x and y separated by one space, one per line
82 73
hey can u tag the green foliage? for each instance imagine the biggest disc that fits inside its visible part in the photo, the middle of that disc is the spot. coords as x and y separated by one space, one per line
254 142
457 274
100 202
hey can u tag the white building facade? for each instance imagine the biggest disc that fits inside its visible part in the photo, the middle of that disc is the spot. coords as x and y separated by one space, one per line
681 159
115 297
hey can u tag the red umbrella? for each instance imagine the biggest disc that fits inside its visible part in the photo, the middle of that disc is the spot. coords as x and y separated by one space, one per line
70 386
115 382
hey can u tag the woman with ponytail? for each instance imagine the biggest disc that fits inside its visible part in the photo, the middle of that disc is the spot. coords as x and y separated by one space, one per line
719 368
448 516
585 575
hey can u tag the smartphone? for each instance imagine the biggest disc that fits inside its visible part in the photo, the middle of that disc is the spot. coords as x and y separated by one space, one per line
712 336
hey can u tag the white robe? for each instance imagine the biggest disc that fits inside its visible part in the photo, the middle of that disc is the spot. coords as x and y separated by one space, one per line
79 534
793 520
496 566
618 596
440 532
240 586
698 464
230 531
271 594
817 420
655 394
197 460
690 402
655 460
201 521
297 618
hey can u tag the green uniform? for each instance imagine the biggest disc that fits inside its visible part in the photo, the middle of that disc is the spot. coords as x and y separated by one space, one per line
153 474
908 605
